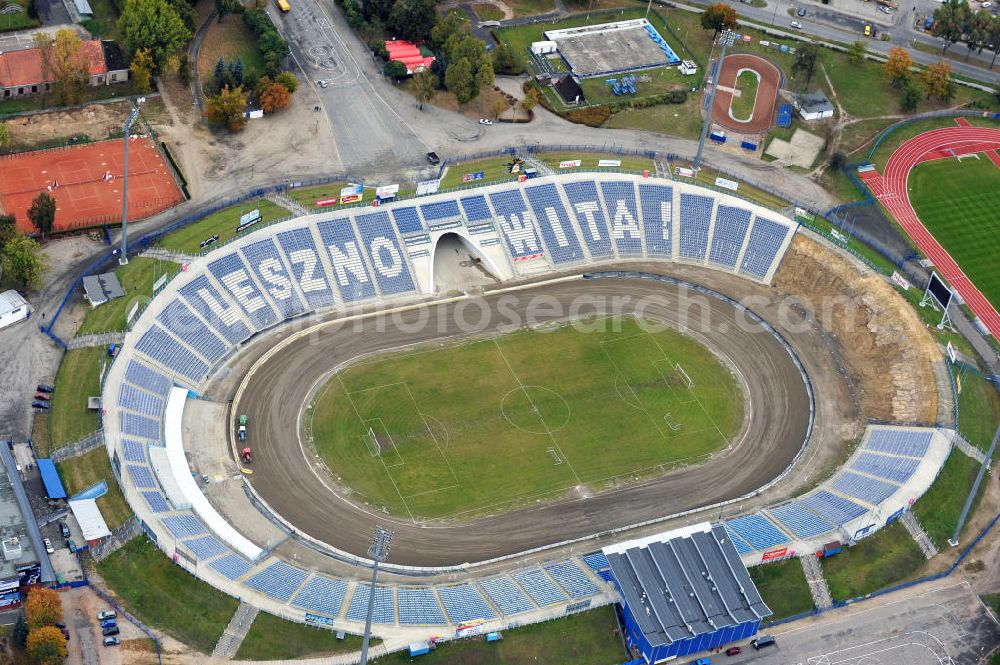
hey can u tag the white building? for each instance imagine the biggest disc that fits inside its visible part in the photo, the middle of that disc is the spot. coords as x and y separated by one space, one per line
13 308
543 48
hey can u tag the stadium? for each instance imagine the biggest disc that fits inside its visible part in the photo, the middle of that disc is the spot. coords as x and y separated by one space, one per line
647 377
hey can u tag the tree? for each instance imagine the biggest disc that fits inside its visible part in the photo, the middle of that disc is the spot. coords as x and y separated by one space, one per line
43 42
898 66
142 70
21 630
275 97
42 214
460 81
806 56
912 94
69 66
484 74
530 100
442 31
413 19
425 86
235 72
46 646
979 29
499 106
718 16
504 61
155 25
837 161
43 607
950 20
995 39
394 69
226 7
857 51
4 135
937 79
288 80
229 107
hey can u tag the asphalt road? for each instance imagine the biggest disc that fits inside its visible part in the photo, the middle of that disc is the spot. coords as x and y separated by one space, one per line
292 486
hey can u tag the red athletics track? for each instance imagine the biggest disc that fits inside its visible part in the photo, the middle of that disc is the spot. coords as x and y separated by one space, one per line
891 190
83 196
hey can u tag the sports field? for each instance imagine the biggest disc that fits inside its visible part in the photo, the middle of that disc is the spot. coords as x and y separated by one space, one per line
958 201
484 426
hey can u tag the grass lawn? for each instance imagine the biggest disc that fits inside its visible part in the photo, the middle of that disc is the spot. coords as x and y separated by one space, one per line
978 410
741 108
586 638
661 80
273 638
783 587
18 21
494 170
79 377
682 120
884 558
531 7
590 160
487 12
137 280
81 472
939 508
477 440
308 196
230 39
165 596
707 175
957 202
223 223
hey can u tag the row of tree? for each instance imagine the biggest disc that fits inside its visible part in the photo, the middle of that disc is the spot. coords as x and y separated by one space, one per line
934 81
229 105
954 21
36 628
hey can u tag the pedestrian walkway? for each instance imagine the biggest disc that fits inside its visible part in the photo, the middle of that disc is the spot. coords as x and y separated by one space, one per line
817 583
232 637
285 202
100 339
916 529
167 255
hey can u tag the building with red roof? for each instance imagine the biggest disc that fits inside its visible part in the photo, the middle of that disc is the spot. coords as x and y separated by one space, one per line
414 57
21 71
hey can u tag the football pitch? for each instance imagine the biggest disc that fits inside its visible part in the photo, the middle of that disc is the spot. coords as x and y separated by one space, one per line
475 427
958 203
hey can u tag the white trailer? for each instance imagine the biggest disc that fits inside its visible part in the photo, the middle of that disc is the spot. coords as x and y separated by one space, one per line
544 48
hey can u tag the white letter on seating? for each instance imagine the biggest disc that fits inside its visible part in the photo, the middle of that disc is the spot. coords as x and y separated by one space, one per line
519 233
349 262
395 266
227 315
666 221
587 209
624 222
273 273
236 282
307 258
557 228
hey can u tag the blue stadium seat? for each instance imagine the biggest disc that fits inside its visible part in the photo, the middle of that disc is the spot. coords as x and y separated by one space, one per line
407 220
266 263
419 606
765 241
134 399
832 507
538 585
571 578
167 351
206 300
799 520
742 547
896 469
758 531
506 595
146 377
307 268
136 425
388 260
206 547
463 603
231 566
181 321
322 595
862 487
619 201
586 206
231 272
184 526
657 217
695 218
385 608
557 230
279 580
442 211
596 560
142 477
516 223
156 502
476 209
900 442
730 230
350 274
134 451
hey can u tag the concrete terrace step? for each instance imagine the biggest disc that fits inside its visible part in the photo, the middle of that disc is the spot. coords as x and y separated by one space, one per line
232 637
969 449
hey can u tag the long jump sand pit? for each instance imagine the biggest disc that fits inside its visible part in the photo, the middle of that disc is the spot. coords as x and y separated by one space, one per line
87 182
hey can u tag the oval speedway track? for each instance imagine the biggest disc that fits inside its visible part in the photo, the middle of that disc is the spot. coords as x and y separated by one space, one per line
273 397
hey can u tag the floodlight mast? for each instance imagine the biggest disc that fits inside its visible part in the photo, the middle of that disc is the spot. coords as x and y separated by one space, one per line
379 552
126 130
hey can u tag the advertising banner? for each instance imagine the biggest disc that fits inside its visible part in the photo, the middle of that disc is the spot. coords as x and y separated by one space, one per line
570 164
352 189
609 162
470 177
900 281
774 554
350 198
386 191
685 173
248 220
726 183
323 203
428 187
316 619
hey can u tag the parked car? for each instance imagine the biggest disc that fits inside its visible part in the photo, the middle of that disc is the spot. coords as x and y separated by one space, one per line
703 661
884 9
71 545
433 159
107 614
111 641
48 546
485 121
801 12
734 651
322 83
64 529
109 631
38 404
762 641
43 396
796 25
45 388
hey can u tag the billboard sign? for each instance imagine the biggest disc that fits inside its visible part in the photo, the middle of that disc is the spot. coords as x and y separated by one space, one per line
428 187
774 554
349 198
952 354
29 575
895 516
570 164
684 172
726 183
386 191
317 620
158 284
470 177
352 189
900 281
939 291
609 162
470 628
324 203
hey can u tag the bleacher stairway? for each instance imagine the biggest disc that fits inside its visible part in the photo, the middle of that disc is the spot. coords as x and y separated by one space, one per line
232 637
817 583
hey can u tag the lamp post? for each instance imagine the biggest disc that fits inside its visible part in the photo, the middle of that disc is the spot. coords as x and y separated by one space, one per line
379 552
127 129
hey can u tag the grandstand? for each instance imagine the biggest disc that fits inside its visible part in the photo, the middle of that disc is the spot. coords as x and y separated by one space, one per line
612 48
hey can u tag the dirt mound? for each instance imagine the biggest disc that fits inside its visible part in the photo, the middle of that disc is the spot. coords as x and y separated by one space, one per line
886 348
94 120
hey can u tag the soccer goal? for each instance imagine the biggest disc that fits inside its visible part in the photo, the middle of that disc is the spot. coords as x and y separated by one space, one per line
371 442
684 375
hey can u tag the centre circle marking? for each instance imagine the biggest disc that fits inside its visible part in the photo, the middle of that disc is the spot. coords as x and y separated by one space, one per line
537 421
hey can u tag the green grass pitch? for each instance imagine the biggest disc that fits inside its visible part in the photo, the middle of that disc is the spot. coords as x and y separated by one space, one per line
958 203
483 426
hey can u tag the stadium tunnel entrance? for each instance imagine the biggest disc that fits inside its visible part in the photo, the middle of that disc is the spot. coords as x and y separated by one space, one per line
457 264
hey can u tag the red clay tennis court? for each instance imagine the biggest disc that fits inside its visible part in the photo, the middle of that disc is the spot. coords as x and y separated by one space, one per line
86 182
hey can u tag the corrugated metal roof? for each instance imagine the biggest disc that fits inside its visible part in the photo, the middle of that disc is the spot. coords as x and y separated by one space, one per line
91 521
50 478
11 301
